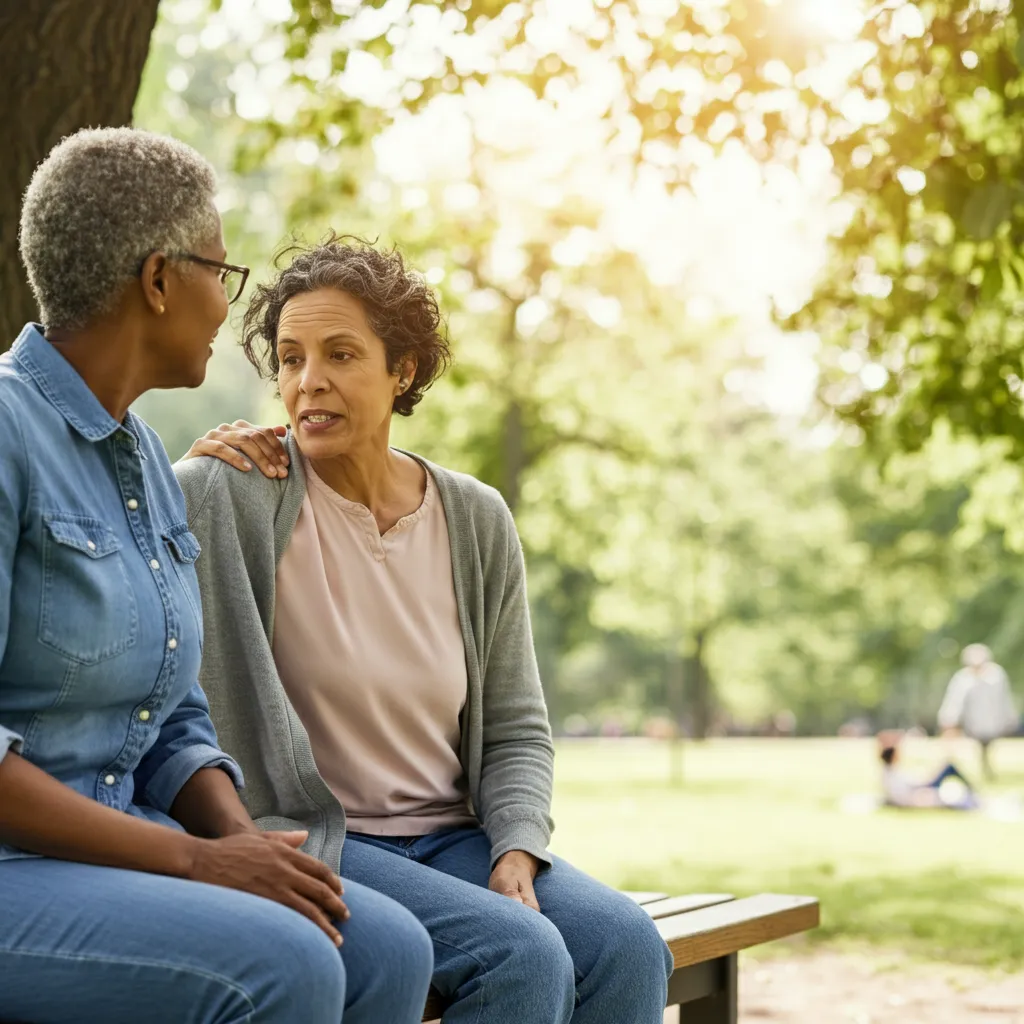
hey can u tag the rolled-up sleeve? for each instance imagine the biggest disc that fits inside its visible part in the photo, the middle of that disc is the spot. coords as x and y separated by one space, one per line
187 742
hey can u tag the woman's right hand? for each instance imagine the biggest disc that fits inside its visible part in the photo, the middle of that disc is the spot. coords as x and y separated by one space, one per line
236 443
269 864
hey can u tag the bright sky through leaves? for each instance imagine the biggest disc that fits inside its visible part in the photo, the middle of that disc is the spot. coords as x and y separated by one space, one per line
743 239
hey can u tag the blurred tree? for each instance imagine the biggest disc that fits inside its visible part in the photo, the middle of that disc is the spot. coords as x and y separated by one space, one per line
688 552
938 573
666 78
921 306
662 74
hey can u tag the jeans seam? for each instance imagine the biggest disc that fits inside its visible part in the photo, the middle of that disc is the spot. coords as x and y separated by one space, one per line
483 967
141 962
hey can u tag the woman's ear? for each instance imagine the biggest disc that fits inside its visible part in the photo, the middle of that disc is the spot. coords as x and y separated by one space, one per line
153 279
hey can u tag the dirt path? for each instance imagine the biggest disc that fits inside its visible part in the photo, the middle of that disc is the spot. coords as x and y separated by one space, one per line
836 988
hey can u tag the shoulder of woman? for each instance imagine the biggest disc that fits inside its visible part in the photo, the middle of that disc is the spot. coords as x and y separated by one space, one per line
207 482
197 478
13 408
482 501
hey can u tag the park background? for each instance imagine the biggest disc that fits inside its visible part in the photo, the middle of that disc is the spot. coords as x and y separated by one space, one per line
735 293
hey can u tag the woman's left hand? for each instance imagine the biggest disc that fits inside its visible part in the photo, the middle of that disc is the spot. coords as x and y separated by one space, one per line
513 876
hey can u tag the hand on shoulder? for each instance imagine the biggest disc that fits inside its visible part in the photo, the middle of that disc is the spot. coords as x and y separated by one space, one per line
242 444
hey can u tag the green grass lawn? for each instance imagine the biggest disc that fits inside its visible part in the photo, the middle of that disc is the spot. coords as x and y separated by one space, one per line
764 815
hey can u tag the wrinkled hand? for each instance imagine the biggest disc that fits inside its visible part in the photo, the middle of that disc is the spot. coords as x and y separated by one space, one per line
236 443
513 876
271 865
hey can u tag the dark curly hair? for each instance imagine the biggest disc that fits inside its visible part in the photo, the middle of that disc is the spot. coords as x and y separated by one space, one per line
400 307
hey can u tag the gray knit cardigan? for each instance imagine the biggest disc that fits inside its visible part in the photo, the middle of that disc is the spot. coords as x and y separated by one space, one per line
244 522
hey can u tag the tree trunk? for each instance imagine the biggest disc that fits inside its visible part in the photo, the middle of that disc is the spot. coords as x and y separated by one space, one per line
64 65
513 454
676 693
701 702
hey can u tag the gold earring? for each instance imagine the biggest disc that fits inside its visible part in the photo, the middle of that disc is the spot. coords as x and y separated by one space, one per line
161 310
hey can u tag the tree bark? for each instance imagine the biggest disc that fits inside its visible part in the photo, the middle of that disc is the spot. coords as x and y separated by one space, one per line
64 65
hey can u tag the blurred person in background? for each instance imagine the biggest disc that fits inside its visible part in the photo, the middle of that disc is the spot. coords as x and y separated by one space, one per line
979 703
948 789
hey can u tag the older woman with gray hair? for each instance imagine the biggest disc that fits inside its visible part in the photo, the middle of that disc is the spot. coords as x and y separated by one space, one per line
133 884
370 663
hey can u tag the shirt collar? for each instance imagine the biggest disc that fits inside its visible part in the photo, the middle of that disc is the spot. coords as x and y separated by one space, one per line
64 388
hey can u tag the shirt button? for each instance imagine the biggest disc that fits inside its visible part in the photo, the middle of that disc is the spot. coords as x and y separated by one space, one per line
154 564
91 545
132 504
143 715
172 643
110 780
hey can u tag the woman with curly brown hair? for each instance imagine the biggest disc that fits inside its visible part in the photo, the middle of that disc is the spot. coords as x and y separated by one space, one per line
369 658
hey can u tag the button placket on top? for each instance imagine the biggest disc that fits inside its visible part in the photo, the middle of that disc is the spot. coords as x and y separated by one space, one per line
128 466
377 542
373 537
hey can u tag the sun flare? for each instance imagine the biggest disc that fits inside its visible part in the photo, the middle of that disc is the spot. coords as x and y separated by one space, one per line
833 19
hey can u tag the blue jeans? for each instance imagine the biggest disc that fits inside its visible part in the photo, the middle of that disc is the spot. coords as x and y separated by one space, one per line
592 956
969 802
93 945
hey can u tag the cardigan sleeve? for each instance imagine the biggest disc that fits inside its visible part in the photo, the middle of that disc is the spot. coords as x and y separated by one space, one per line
517 767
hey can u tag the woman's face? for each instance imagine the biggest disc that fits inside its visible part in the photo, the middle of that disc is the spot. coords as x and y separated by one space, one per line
333 374
196 306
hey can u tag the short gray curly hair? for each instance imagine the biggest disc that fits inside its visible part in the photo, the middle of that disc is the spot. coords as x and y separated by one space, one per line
98 205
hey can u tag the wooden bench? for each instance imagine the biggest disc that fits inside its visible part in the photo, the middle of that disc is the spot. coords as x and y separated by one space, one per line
705 933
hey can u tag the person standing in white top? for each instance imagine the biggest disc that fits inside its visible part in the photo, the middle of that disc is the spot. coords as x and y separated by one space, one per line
979 702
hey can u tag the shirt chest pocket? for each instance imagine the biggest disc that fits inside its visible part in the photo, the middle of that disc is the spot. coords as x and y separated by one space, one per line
88 611
184 548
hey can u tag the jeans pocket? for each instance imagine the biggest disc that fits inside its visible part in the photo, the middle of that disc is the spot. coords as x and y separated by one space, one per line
88 611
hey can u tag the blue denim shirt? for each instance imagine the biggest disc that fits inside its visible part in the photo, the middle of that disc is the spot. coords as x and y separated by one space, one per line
100 620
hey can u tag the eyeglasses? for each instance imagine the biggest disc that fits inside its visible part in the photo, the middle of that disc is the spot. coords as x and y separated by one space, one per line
233 278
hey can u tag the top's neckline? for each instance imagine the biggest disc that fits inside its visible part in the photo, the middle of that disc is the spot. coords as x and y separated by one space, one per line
360 511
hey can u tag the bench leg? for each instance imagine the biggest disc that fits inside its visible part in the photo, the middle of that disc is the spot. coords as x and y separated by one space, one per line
718 1003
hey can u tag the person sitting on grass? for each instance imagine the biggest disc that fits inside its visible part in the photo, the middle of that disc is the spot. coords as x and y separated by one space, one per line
901 790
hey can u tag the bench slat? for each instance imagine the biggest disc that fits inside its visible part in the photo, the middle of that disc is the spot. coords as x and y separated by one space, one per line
683 904
730 927
644 897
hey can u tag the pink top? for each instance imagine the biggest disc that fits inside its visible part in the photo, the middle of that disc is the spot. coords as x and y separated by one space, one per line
369 648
